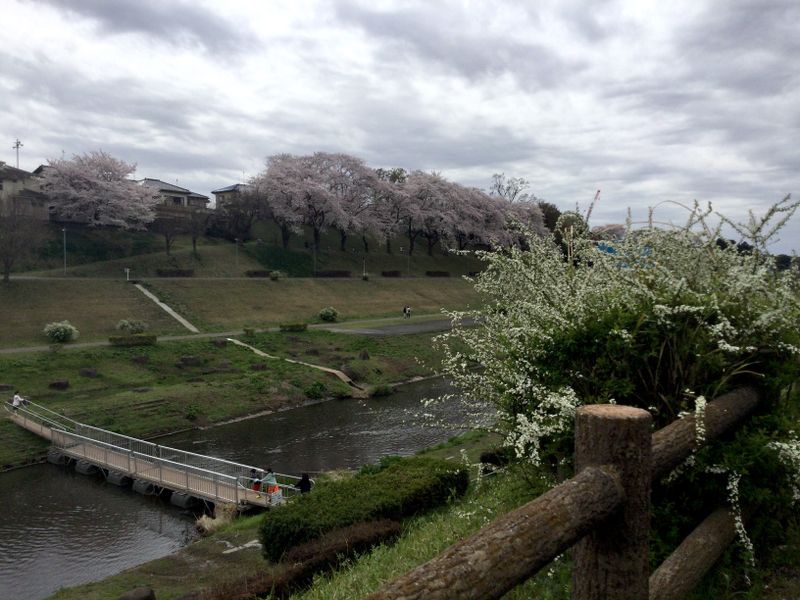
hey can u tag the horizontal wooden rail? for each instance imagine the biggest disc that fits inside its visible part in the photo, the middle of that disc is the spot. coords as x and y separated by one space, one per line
515 546
489 563
687 565
674 443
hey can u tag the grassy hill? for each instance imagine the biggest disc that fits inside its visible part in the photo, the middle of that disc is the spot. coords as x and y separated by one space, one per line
95 306
106 253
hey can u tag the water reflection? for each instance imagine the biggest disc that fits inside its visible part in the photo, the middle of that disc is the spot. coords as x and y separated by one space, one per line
59 528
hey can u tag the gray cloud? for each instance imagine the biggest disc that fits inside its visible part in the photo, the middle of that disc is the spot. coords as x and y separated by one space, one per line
419 33
172 22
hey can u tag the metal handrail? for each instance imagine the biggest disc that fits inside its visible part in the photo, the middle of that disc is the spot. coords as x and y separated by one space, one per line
34 416
52 412
206 467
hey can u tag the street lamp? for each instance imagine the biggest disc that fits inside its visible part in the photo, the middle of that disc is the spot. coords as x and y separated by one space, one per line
64 235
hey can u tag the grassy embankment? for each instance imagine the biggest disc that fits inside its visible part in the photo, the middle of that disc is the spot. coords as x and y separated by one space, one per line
95 306
149 390
203 566
106 253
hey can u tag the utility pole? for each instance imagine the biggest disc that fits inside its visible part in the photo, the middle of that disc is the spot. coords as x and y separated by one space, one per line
17 145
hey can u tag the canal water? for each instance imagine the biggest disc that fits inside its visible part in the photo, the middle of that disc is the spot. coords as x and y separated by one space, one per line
60 529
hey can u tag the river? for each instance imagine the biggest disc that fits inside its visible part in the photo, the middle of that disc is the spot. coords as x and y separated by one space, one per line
60 529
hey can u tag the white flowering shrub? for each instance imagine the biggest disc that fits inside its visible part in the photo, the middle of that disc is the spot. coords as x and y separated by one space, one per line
663 319
132 326
60 332
659 312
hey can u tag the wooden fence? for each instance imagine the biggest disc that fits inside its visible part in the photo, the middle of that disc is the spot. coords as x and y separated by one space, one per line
603 511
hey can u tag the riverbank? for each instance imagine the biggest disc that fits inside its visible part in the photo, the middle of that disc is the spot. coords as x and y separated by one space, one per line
232 553
151 391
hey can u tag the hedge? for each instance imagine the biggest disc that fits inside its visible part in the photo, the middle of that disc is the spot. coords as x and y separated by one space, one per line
437 273
175 272
333 274
293 326
133 340
391 274
257 273
405 488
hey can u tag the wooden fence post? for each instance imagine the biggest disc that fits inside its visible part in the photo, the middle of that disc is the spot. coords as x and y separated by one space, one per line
612 561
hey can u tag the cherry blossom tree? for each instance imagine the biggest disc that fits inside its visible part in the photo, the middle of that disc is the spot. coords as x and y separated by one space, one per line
351 193
427 195
94 188
280 185
390 203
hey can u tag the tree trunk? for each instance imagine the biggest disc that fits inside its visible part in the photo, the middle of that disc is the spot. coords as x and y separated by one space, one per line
194 245
167 243
388 245
366 244
342 240
316 238
285 233
431 244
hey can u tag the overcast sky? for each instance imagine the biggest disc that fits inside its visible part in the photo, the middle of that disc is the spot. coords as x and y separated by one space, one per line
646 101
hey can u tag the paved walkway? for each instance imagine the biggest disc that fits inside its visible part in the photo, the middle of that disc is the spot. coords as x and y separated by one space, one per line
371 327
166 308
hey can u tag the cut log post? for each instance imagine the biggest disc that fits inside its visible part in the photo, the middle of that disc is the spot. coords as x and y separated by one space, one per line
612 560
515 546
674 443
685 568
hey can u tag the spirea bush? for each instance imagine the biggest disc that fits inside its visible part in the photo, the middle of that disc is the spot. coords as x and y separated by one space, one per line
660 312
132 326
662 319
329 314
60 332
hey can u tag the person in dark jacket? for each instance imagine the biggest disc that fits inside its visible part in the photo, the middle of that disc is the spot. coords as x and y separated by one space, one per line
304 485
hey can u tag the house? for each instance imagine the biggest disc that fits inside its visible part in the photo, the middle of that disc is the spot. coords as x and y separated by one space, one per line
227 194
23 189
174 196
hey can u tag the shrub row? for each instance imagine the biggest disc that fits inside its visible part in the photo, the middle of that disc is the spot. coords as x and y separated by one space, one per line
293 326
175 272
333 274
404 488
437 273
391 274
133 340
258 273
303 562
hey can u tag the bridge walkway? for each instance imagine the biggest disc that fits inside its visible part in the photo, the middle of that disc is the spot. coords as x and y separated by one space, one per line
195 475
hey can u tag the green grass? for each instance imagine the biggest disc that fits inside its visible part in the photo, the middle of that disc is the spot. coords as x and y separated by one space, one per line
237 303
215 258
94 307
161 394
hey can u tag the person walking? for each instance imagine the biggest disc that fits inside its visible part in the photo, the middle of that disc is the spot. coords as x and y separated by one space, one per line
17 401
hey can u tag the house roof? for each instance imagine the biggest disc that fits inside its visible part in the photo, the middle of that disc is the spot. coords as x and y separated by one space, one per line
196 195
162 186
236 187
8 172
